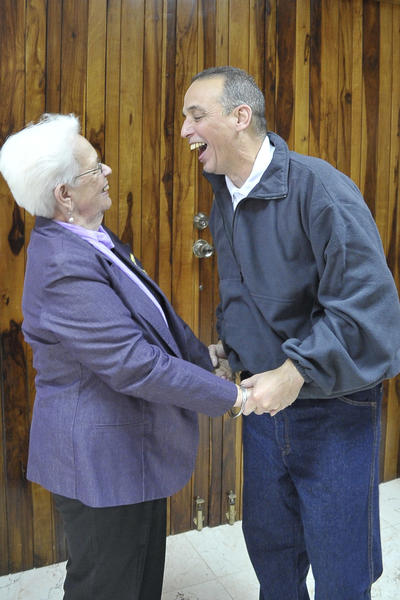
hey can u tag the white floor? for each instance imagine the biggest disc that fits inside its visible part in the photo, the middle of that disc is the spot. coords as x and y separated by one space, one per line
213 564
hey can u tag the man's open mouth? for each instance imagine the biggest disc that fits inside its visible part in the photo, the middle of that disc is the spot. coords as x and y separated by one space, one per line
200 146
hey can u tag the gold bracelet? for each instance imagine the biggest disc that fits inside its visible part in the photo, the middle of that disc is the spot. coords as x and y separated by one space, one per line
232 412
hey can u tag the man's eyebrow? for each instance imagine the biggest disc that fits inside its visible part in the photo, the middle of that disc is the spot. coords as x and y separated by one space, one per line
192 108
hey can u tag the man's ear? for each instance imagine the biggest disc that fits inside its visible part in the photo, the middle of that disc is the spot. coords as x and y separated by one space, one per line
243 114
63 199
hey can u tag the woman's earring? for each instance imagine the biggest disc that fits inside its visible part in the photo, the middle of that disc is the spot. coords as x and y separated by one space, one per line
70 216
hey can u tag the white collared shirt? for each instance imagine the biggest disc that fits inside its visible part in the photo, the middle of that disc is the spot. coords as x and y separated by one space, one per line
261 163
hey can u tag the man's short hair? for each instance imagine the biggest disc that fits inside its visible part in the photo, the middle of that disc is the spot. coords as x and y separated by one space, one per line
239 88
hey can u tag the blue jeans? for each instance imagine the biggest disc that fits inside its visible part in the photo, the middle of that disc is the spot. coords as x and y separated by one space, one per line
311 496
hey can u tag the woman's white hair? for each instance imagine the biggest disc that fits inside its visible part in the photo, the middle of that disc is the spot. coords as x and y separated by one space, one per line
38 158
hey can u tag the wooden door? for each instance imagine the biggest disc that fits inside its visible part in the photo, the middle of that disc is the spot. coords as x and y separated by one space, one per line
330 73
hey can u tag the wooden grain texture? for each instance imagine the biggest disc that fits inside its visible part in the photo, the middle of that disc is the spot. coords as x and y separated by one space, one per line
215 516
330 74
384 121
206 292
242 29
152 64
222 33
131 122
345 65
314 146
370 67
184 266
93 127
257 17
392 439
356 91
53 56
4 521
167 138
239 33
74 49
112 100
329 80
270 64
302 77
15 523
35 105
206 59
35 60
16 427
286 52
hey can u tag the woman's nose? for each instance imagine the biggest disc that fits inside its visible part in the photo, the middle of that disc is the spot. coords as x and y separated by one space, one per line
106 170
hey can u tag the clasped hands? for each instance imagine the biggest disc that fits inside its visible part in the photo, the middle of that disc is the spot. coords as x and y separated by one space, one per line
267 392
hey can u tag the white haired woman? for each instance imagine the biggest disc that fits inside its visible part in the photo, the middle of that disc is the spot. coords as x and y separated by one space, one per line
120 377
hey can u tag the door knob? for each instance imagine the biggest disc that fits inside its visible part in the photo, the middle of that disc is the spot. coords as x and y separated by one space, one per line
200 220
202 249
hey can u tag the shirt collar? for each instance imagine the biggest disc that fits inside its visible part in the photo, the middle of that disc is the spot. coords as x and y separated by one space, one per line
100 236
261 163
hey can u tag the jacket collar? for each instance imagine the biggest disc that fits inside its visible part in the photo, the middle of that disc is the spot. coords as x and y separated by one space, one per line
274 183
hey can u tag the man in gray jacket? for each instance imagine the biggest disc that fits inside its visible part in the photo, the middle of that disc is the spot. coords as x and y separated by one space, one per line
309 315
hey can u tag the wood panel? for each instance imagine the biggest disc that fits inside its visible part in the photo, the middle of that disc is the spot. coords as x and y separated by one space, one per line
111 101
184 267
15 496
270 64
151 135
345 28
203 483
302 77
35 103
330 74
391 452
131 123
286 52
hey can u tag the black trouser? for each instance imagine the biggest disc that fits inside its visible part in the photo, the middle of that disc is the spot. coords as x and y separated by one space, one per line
114 553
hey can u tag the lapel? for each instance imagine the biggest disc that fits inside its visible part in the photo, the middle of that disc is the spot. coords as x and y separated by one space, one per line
173 334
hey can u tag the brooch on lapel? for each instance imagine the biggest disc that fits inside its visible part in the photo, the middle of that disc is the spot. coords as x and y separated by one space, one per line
133 259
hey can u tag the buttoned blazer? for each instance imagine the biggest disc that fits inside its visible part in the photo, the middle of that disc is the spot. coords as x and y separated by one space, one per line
117 390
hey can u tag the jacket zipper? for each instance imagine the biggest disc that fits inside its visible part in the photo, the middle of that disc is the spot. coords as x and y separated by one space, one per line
233 229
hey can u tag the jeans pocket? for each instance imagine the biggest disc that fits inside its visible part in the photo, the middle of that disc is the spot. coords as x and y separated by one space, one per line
368 397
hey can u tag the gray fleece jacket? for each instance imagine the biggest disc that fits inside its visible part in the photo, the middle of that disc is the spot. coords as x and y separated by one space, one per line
303 275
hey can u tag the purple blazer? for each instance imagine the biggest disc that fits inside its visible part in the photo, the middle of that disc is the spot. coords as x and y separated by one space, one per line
117 391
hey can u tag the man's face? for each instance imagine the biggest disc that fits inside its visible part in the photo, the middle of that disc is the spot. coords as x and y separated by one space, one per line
206 127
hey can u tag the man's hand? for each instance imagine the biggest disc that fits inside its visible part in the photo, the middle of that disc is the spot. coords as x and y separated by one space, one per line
219 361
274 390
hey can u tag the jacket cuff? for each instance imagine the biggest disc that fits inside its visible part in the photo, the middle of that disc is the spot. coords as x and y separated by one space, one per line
302 371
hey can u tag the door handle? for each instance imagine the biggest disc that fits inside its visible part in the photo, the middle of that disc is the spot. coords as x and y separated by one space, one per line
202 249
200 221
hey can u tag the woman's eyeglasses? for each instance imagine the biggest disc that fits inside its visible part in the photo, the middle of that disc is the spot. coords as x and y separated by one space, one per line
93 171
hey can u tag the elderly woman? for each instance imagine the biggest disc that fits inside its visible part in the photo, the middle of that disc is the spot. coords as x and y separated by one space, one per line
120 377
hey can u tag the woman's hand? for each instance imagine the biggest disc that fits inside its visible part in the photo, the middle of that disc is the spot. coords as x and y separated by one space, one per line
220 361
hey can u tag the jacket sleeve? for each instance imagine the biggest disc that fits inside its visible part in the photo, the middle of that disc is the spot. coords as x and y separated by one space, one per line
87 316
354 339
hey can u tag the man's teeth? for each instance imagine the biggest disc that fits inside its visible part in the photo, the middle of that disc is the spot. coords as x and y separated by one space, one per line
196 145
